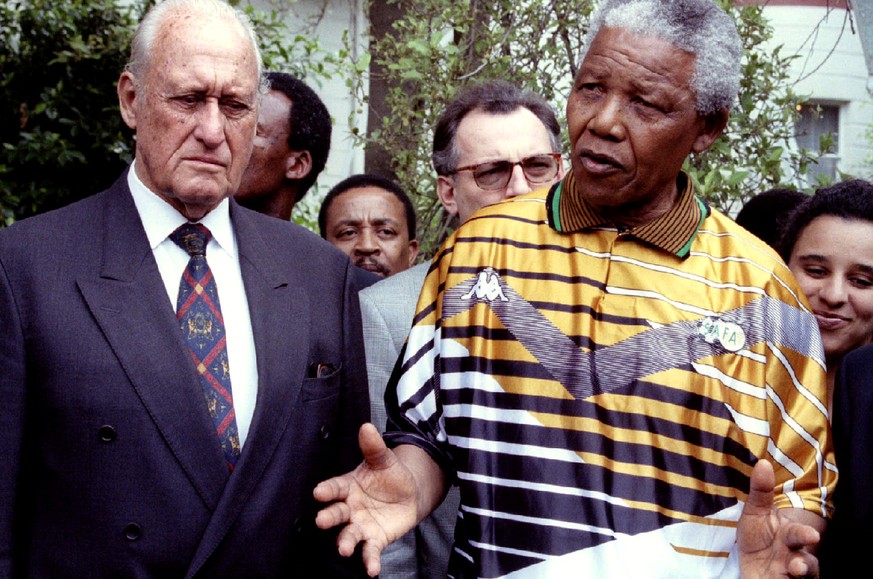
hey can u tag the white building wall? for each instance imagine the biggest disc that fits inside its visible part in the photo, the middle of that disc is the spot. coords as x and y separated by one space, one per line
831 69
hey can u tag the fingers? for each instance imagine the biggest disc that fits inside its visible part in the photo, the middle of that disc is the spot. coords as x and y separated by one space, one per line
372 559
802 564
798 536
333 515
337 488
761 487
371 551
333 489
348 539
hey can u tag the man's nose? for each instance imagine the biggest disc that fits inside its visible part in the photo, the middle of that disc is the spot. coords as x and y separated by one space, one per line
518 184
367 242
606 118
210 123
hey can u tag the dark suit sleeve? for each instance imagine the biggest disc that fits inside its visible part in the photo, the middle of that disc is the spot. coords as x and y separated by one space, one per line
353 412
355 372
846 540
12 394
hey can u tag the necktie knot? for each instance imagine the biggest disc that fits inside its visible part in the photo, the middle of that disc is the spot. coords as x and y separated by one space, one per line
192 237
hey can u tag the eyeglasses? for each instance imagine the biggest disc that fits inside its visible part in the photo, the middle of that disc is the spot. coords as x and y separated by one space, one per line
496 174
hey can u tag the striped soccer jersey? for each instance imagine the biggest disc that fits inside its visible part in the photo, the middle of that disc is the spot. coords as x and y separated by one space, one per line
601 401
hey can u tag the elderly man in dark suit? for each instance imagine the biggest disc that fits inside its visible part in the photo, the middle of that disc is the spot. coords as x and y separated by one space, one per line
133 448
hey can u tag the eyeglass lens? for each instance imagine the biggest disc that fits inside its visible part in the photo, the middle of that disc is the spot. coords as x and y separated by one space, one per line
496 175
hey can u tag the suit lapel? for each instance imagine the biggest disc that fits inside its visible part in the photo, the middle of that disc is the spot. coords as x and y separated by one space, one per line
130 304
280 322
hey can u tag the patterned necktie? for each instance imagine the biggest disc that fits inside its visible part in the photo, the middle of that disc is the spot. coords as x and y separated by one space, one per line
199 315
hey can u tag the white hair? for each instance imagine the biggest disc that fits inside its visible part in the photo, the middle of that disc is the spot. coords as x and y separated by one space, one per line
696 26
143 43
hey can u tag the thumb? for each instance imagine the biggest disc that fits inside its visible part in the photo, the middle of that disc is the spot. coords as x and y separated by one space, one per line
761 487
376 454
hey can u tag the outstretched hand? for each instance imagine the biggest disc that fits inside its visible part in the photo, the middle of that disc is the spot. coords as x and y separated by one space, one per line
376 502
775 543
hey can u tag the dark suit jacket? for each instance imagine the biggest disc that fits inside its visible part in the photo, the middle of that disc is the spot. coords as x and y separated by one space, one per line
846 543
111 467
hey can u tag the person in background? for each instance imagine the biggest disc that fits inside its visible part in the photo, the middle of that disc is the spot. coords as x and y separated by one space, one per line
177 372
493 142
290 149
828 244
371 219
765 213
622 381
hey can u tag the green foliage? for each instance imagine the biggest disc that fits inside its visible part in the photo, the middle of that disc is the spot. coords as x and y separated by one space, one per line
441 45
60 133
61 136
297 52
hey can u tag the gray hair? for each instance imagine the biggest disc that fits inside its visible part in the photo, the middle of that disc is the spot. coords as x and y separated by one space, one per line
696 26
143 43
496 97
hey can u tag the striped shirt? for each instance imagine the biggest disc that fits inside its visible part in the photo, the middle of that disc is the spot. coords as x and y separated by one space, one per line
600 396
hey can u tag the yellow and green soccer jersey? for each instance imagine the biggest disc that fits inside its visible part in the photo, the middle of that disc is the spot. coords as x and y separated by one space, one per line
600 396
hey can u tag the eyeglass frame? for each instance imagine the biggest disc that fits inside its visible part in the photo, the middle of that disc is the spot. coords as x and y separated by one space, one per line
472 168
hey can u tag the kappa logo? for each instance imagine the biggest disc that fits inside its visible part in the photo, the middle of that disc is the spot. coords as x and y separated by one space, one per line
487 287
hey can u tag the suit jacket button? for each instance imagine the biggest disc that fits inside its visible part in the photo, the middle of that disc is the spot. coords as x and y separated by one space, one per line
132 532
298 525
107 433
325 431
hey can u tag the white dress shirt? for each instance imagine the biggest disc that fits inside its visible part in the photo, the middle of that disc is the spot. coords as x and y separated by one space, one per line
160 219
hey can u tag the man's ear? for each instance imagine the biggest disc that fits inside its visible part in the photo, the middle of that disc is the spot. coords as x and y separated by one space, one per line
298 164
127 96
712 128
413 251
446 192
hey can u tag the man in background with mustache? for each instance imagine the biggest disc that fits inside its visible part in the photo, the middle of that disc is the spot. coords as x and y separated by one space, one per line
371 219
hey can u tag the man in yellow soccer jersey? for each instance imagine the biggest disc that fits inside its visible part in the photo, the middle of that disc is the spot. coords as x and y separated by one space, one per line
600 365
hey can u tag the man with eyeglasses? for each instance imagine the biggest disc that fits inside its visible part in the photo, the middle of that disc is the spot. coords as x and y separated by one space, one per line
493 142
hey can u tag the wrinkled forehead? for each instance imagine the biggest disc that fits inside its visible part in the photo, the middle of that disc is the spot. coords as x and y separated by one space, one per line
184 35
483 133
647 59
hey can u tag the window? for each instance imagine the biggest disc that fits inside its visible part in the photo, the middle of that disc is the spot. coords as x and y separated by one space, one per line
817 120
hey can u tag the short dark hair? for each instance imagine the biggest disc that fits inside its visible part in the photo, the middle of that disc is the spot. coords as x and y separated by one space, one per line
492 97
310 125
849 200
765 214
367 180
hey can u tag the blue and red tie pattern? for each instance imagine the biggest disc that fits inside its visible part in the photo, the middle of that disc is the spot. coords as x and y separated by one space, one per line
199 314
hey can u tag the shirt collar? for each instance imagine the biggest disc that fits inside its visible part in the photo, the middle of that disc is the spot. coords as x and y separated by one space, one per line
673 231
160 219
